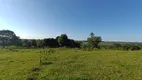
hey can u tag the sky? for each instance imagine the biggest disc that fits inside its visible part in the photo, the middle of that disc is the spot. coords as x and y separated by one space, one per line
113 20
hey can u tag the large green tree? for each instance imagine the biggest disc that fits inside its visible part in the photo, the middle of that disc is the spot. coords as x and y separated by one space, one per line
94 40
50 42
63 40
8 37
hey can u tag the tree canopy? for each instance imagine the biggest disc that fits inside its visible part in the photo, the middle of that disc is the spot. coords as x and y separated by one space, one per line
8 37
94 40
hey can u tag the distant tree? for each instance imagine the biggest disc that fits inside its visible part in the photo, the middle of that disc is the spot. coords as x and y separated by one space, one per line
34 43
117 46
57 38
16 41
26 43
29 44
4 41
45 42
94 40
39 43
8 37
135 47
92 34
50 42
131 47
71 43
78 44
63 40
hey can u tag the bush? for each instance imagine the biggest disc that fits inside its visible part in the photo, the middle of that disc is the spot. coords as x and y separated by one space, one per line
125 47
117 46
130 47
45 58
133 48
87 47
106 47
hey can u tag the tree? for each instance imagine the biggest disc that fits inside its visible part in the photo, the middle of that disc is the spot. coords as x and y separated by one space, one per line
26 43
8 37
50 42
92 34
97 40
34 43
71 43
16 41
117 45
39 43
63 40
78 44
57 38
94 40
4 41
130 47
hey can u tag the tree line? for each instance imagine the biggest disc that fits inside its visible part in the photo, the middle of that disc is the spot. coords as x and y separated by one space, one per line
59 41
118 46
8 38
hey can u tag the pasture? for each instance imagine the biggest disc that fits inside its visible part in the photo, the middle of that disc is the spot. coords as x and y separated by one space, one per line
70 64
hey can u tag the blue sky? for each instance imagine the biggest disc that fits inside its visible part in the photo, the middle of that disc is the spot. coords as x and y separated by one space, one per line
113 20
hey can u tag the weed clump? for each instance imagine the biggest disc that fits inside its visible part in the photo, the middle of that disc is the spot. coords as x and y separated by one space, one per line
45 56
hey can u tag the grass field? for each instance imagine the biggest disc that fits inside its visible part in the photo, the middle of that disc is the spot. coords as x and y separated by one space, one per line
71 64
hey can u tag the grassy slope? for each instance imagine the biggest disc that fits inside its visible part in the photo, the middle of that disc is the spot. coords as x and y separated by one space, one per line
69 64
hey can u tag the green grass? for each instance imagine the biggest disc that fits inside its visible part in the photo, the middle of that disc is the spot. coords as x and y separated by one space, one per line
71 64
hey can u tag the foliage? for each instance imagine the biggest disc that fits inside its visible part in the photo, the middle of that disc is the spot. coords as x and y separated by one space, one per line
26 43
86 47
118 46
8 37
39 43
94 41
34 43
50 42
130 47
60 41
45 56
63 40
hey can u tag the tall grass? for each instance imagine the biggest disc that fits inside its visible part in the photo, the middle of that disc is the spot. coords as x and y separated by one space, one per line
45 56
70 64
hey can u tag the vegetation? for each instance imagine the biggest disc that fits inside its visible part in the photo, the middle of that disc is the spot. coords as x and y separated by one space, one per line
94 41
70 64
66 59
118 46
9 38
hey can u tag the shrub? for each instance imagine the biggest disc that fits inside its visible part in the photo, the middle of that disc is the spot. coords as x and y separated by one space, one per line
125 47
117 46
106 47
45 58
134 47
87 47
130 47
